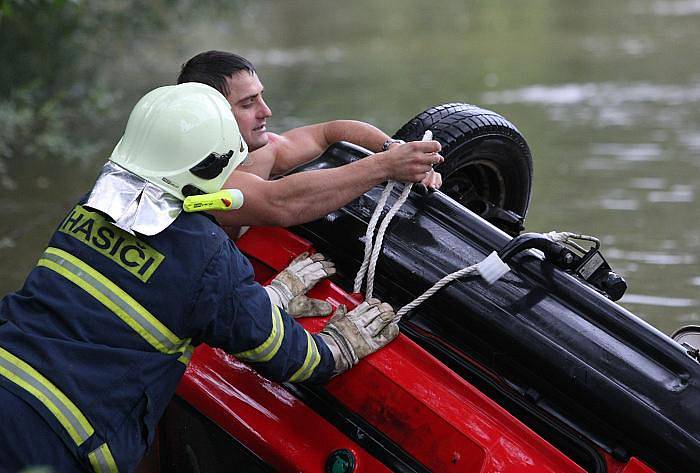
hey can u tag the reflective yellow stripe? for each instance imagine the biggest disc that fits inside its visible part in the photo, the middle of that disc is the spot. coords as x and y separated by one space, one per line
102 460
186 357
268 348
29 379
115 299
310 362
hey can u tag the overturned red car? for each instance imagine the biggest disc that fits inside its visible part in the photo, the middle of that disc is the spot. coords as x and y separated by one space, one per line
539 372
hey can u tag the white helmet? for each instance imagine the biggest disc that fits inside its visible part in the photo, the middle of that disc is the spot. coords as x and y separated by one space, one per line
182 138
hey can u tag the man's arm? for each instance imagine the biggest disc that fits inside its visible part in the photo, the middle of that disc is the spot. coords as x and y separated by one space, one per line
233 312
300 198
301 145
298 146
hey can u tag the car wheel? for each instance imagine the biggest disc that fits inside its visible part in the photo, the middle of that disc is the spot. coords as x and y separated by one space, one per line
488 164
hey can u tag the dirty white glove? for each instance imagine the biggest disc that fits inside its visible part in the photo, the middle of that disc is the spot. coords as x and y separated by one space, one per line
287 289
352 336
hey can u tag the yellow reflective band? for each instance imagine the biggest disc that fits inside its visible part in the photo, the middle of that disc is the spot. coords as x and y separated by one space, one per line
310 362
123 248
29 379
186 357
102 460
268 348
115 299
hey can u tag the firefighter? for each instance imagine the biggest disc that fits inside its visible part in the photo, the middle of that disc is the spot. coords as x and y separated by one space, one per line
94 344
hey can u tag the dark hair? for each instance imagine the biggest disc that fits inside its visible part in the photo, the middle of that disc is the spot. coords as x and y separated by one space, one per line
213 68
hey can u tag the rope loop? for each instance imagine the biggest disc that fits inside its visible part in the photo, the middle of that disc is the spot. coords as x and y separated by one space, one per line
373 248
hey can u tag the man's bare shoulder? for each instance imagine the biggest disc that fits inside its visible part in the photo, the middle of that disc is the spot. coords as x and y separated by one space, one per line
274 146
261 161
273 139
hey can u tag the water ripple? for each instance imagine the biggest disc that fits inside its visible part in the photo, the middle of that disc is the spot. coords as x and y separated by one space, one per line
650 183
602 94
7 242
650 258
292 57
635 152
676 194
619 204
659 301
676 8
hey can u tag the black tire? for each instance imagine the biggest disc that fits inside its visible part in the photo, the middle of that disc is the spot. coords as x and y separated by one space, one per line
488 165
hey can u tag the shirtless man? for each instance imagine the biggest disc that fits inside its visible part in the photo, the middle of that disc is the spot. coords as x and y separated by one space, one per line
301 197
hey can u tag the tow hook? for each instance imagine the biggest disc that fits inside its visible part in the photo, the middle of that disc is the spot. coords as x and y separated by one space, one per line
553 252
586 264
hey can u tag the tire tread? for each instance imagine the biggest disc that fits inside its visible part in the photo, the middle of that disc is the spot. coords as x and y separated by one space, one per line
456 124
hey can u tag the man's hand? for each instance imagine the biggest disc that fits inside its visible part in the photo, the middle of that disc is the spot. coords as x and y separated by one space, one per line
413 162
352 336
287 289
433 180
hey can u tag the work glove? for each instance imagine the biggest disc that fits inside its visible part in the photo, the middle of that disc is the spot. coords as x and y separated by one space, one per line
287 289
352 336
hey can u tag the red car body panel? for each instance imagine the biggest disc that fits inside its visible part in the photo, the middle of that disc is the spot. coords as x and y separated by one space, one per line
433 414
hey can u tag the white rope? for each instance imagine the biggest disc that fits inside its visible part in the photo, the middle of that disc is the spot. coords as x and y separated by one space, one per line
369 235
491 268
468 271
560 237
380 237
570 239
372 249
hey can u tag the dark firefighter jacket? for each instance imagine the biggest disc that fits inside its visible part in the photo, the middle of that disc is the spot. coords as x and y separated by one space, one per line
103 328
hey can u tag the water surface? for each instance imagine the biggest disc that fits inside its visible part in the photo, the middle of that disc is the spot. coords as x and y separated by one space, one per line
606 93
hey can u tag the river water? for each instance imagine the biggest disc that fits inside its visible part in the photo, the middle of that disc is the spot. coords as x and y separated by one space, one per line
606 93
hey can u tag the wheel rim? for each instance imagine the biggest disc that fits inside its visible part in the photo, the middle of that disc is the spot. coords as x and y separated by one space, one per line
475 185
